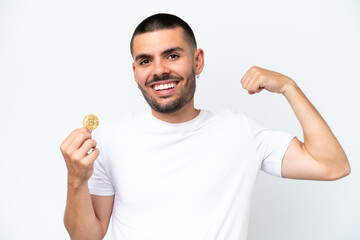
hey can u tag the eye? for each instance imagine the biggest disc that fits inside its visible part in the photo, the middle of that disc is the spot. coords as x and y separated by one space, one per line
173 56
145 61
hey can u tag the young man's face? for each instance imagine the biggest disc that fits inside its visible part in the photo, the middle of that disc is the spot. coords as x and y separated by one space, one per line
164 68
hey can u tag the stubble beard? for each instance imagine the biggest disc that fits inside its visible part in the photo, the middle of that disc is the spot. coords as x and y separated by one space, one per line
186 95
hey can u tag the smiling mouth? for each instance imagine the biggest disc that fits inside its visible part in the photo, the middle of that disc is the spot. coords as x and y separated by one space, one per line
166 86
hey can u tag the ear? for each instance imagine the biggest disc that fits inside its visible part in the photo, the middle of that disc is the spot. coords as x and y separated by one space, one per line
133 67
199 61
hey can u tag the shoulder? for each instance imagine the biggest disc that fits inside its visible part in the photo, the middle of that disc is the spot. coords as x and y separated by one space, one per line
230 115
228 118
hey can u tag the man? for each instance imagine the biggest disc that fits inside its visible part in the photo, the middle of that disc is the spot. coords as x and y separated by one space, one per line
178 172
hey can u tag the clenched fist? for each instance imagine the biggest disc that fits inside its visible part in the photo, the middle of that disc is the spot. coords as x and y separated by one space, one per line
79 162
256 79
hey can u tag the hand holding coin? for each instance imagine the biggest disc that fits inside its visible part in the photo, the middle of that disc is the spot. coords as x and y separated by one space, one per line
76 152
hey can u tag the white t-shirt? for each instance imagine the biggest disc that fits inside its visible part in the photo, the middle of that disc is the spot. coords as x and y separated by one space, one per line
191 180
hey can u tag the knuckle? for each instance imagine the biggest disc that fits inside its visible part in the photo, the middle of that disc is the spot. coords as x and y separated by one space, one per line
76 158
67 152
82 134
257 73
62 148
90 142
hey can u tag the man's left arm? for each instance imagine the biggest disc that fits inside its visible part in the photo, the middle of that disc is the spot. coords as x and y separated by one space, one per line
320 156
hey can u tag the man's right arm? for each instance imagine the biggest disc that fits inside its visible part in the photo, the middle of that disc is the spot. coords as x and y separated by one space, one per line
86 216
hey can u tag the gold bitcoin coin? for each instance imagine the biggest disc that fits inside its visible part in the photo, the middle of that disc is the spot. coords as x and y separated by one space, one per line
91 121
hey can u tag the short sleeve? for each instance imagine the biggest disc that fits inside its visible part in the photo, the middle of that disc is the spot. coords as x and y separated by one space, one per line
270 146
99 183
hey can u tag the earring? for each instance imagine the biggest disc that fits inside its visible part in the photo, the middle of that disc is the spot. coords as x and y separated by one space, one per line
198 76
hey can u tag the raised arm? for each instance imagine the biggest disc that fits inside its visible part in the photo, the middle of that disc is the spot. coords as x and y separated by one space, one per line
86 216
320 156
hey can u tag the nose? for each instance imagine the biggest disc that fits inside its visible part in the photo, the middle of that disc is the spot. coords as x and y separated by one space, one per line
160 68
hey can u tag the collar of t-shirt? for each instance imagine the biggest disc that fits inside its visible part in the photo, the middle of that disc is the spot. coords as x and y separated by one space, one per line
191 125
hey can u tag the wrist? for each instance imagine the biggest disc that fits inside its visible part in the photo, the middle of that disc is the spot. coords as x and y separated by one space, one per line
289 88
77 183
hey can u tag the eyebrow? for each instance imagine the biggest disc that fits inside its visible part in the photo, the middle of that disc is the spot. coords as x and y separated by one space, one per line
173 49
167 51
140 56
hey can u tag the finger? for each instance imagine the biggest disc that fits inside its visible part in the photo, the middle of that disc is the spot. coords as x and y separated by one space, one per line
80 154
243 78
247 77
261 83
78 141
257 91
72 136
258 83
248 73
86 147
254 86
90 159
260 89
249 81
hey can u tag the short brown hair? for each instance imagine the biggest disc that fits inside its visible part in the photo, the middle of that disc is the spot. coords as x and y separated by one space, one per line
162 21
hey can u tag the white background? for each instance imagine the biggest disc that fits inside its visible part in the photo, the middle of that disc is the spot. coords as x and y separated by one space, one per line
60 60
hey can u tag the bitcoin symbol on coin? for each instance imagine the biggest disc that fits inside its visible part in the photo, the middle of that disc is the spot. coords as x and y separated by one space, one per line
91 121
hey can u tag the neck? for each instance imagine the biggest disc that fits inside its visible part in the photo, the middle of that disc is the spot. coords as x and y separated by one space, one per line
185 114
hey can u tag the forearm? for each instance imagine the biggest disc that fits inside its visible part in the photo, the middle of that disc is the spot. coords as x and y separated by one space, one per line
319 140
80 219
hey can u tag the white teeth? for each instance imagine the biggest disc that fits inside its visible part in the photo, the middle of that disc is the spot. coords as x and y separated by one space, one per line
164 86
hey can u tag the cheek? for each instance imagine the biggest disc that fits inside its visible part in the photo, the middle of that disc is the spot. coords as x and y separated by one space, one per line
141 76
182 69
